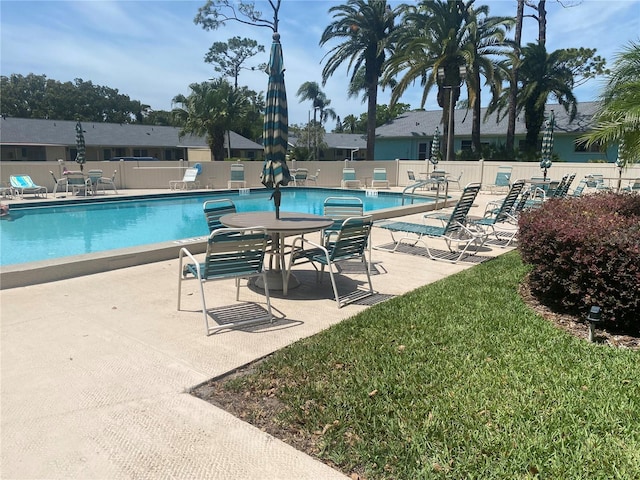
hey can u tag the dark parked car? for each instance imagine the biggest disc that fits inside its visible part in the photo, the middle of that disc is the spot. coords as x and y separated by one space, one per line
134 159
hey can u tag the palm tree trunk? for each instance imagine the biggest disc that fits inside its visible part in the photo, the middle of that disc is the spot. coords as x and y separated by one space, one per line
476 147
513 91
372 96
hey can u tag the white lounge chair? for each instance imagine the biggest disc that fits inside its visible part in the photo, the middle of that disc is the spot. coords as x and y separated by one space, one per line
379 179
22 184
236 179
188 181
349 179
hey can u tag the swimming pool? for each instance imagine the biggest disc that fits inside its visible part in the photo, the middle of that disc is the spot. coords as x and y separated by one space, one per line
53 232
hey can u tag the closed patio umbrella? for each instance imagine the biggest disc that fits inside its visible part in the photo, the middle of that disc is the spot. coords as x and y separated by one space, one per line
547 144
80 146
276 126
435 148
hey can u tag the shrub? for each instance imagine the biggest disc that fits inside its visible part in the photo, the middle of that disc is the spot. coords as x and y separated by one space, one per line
586 251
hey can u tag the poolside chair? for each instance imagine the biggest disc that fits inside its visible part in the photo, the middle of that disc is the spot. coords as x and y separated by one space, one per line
79 183
300 177
22 184
577 192
349 244
596 181
214 209
451 180
349 179
502 181
188 180
314 178
379 179
110 181
341 208
59 184
633 187
236 180
453 230
501 223
231 254
94 176
6 190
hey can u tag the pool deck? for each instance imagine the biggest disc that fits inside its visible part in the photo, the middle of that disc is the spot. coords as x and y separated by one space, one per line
96 369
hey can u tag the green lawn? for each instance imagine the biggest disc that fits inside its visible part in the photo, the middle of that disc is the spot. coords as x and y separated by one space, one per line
460 379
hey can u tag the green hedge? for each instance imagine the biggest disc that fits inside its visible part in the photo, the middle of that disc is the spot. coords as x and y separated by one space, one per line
586 251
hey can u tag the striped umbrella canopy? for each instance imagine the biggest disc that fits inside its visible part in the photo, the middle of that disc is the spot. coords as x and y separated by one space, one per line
435 148
276 126
80 146
547 144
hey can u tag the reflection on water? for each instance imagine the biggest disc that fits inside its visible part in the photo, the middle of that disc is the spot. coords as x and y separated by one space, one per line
51 232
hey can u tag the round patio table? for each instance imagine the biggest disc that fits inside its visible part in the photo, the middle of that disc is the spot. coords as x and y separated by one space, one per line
289 223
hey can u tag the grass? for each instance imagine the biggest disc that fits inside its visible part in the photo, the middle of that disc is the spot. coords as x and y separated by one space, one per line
460 379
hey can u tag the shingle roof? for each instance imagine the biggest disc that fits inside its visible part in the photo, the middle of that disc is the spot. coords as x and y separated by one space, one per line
33 131
423 123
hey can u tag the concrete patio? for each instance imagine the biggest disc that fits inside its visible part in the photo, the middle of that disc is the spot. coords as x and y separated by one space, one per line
95 370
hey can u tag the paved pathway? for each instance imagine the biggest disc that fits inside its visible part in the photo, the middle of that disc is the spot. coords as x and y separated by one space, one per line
95 369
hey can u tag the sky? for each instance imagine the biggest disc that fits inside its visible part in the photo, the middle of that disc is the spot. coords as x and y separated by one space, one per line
151 50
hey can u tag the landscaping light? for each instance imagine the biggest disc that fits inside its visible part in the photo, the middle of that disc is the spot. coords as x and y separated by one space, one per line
593 318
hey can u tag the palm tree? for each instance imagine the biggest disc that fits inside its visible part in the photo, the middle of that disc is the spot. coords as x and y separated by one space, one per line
543 75
435 36
365 28
311 91
210 110
618 121
486 43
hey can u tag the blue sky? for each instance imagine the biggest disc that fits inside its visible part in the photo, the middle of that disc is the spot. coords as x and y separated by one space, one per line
151 50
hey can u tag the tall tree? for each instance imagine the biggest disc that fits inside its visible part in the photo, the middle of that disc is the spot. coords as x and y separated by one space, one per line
543 75
210 110
618 120
229 57
435 36
485 42
365 30
311 91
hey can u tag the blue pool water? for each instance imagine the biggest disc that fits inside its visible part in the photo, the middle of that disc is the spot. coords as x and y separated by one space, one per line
42 233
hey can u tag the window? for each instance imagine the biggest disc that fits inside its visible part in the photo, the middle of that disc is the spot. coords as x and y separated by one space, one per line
106 154
140 152
582 147
423 149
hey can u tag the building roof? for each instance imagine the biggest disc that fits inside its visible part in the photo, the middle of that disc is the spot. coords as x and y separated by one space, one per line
423 123
34 131
340 140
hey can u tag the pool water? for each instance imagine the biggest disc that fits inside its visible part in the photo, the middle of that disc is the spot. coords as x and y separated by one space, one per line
42 233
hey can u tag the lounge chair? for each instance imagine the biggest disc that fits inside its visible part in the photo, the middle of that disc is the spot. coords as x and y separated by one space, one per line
110 181
214 209
502 181
501 223
577 192
341 208
349 179
22 184
59 184
300 177
314 178
379 179
231 254
188 180
350 243
453 230
236 180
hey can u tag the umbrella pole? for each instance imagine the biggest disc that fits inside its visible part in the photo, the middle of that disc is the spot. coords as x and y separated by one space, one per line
277 195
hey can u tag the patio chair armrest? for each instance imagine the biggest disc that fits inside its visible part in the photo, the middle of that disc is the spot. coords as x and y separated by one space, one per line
184 252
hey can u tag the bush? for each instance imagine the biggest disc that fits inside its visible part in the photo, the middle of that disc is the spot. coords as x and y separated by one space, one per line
586 251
